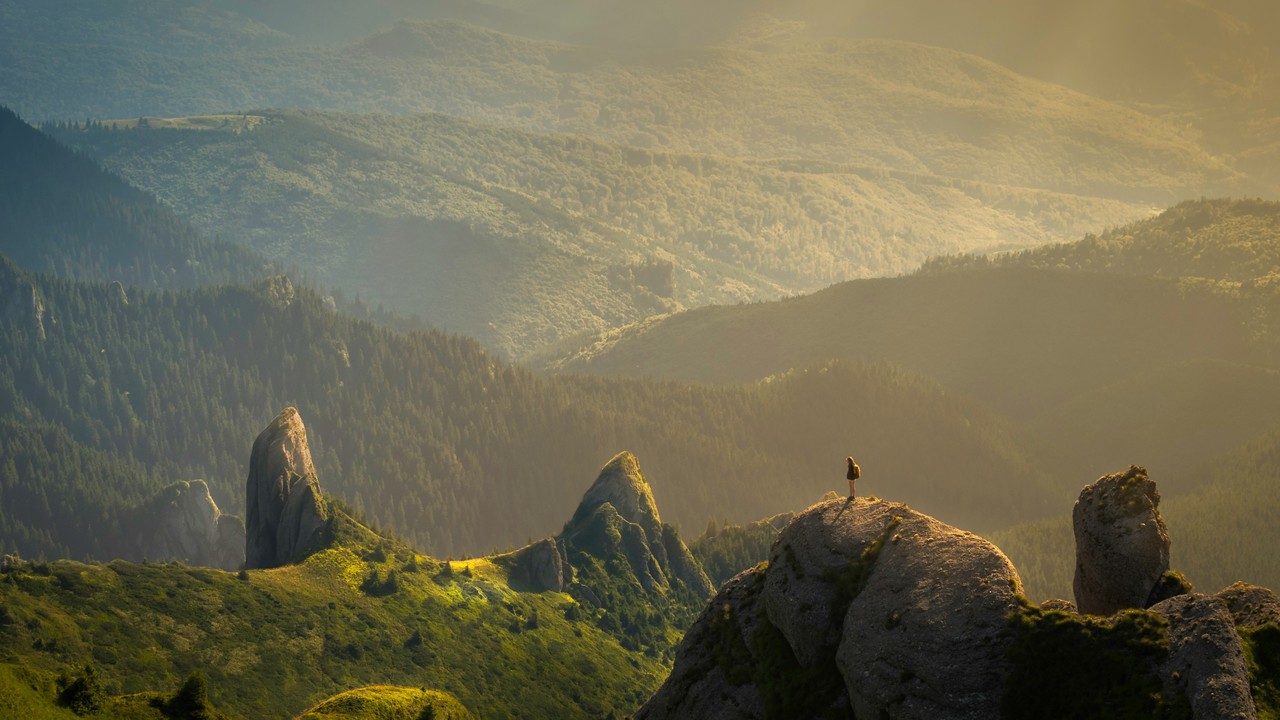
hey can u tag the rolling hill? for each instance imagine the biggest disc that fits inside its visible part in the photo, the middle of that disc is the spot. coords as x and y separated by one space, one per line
60 212
876 102
1105 349
520 239
110 394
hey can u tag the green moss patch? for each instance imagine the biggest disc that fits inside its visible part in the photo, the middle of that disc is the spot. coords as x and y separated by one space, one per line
1262 653
1071 666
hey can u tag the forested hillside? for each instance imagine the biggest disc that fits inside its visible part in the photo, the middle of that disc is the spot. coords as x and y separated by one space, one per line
874 102
1104 348
444 444
61 213
1237 241
520 239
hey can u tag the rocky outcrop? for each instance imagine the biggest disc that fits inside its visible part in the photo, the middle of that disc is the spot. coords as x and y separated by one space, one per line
618 517
825 540
1122 546
1250 605
184 523
869 609
705 682
24 305
883 611
1206 662
284 513
539 567
926 635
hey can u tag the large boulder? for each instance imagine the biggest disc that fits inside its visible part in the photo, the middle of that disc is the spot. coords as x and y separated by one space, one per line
1206 661
820 543
184 523
707 681
284 513
866 608
926 635
1122 546
539 567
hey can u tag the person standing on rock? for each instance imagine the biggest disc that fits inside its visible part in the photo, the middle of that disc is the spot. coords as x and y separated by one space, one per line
854 473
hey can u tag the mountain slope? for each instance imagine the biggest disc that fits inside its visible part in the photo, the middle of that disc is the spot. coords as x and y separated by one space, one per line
359 608
275 642
884 103
1102 348
450 447
1221 239
60 212
519 239
1022 340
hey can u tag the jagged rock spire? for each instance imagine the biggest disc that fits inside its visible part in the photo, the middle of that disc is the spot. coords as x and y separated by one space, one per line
1122 546
284 512
618 515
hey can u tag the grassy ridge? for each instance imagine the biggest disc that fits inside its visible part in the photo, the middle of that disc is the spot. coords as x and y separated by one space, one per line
275 642
388 702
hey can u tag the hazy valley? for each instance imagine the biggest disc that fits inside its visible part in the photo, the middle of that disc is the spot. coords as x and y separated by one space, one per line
491 251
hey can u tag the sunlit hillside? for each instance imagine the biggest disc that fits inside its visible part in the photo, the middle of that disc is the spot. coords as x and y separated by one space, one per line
886 294
521 239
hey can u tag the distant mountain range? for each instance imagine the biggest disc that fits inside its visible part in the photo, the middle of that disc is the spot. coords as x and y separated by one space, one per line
1153 343
760 152
521 239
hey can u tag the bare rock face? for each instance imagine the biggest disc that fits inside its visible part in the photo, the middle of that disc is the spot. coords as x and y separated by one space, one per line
284 513
701 685
811 550
1206 657
186 525
540 567
927 635
883 611
1122 546
622 485
23 304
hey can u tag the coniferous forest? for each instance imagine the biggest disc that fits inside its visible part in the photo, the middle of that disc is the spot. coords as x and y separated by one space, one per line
480 359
